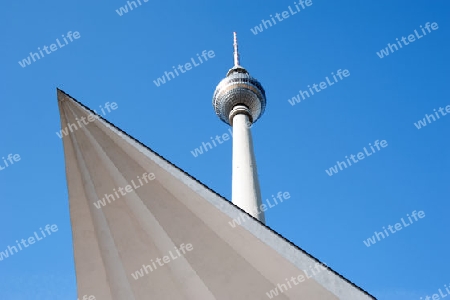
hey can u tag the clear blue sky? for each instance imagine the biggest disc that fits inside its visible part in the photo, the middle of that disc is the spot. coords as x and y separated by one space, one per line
116 58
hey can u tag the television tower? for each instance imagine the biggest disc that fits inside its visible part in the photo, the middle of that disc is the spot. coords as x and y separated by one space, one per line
239 100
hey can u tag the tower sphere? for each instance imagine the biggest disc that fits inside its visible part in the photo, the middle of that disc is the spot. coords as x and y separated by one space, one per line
239 88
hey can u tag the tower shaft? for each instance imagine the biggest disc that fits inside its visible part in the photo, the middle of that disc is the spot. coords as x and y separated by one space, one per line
246 192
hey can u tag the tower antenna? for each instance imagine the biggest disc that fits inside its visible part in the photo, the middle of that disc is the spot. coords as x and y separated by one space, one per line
236 52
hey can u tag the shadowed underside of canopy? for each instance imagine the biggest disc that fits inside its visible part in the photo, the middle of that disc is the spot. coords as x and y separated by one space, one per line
166 235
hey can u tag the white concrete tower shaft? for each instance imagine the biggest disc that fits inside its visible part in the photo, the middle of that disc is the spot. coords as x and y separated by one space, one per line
246 191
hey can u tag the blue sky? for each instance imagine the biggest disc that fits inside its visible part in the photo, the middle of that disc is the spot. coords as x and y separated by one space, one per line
117 58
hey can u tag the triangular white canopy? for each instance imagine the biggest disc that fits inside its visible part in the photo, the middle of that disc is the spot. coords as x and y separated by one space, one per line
158 233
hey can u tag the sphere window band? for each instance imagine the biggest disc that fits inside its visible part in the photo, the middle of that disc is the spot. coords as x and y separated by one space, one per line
239 88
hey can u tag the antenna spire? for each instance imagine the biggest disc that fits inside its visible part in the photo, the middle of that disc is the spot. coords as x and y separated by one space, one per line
236 53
